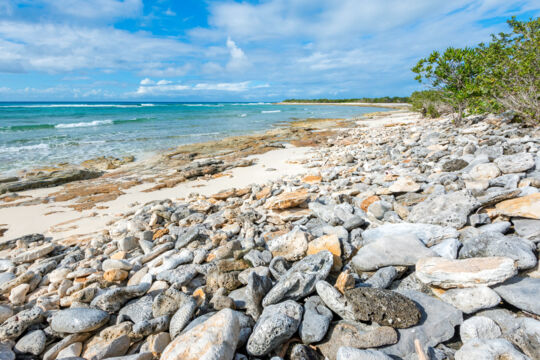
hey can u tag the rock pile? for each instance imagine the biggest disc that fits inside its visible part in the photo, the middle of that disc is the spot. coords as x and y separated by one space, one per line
421 233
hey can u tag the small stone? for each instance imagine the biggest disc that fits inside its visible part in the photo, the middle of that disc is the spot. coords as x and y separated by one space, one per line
317 318
256 289
292 246
447 248
73 350
522 292
287 200
488 349
515 163
345 281
368 201
427 233
168 302
33 254
404 184
471 300
527 228
350 353
31 343
526 206
78 320
182 316
479 327
111 264
449 274
115 275
128 243
484 171
454 165
382 278
384 307
14 326
330 243
113 299
18 294
276 325
356 335
299 281
215 338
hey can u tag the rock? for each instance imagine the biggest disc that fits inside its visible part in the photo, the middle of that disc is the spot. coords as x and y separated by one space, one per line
484 172
527 228
454 165
14 326
449 274
404 184
325 213
301 352
18 294
470 300
382 278
404 250
5 350
292 246
379 208
330 243
522 292
275 326
73 350
156 343
54 350
479 327
350 353
515 163
5 313
128 243
345 281
182 316
489 349
435 326
317 318
335 300
427 233
526 206
215 338
356 335
33 254
113 299
496 244
106 347
287 200
115 275
111 264
447 248
450 209
384 307
168 302
78 320
256 289
299 281
137 310
31 343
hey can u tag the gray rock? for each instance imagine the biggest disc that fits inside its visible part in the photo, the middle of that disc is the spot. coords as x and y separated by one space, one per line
379 208
479 219
350 353
496 244
5 350
454 165
31 343
335 300
276 325
382 278
436 325
522 292
128 243
357 335
183 315
78 320
479 327
167 302
302 352
13 327
324 212
112 300
258 258
527 228
450 209
489 349
111 264
515 163
470 300
403 250
179 276
447 248
256 289
427 233
317 318
152 326
299 281
137 310
384 307
6 277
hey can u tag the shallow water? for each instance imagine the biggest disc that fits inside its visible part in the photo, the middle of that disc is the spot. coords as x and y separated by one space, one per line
38 134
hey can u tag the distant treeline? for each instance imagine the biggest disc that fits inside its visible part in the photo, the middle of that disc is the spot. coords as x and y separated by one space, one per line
385 99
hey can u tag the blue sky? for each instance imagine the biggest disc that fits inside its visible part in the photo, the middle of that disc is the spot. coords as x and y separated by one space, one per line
195 50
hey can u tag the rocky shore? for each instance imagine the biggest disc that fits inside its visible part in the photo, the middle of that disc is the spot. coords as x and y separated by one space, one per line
403 240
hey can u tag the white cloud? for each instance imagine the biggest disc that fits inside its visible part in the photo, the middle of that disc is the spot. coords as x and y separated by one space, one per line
238 59
164 82
147 81
97 9
239 86
53 48
164 70
169 12
167 88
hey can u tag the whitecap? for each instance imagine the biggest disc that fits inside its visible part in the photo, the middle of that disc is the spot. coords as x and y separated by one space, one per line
270 111
84 124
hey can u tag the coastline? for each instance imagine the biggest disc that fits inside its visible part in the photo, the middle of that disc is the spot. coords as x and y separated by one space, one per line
399 106
77 209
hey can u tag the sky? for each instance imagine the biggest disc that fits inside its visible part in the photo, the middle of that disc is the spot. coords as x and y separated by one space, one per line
197 50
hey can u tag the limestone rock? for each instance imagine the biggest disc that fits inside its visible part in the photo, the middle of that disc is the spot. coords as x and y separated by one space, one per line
287 200
31 343
472 272
327 242
479 327
515 163
292 246
404 184
275 326
489 349
78 320
316 320
471 300
522 292
427 233
526 206
14 326
350 353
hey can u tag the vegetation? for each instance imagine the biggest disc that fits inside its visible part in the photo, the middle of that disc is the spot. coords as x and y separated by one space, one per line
378 100
501 75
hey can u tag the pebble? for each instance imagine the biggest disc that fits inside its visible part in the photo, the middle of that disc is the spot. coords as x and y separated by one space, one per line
479 327
78 320
471 300
522 292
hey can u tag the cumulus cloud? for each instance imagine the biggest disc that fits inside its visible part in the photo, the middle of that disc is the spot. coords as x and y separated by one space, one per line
238 59
168 88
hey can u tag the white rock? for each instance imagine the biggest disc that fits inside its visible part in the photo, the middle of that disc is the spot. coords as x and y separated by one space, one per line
484 172
489 349
292 246
472 299
18 294
479 327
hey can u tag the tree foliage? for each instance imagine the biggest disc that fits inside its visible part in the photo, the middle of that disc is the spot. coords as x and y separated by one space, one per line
500 75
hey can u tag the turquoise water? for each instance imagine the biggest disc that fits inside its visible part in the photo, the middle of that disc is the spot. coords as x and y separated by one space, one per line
38 134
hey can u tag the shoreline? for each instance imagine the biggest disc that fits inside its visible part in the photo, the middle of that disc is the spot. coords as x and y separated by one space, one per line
398 106
72 210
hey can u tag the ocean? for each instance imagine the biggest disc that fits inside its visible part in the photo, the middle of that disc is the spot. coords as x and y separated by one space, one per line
44 134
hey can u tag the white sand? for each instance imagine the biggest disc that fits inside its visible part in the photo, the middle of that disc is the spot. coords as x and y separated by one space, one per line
22 220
